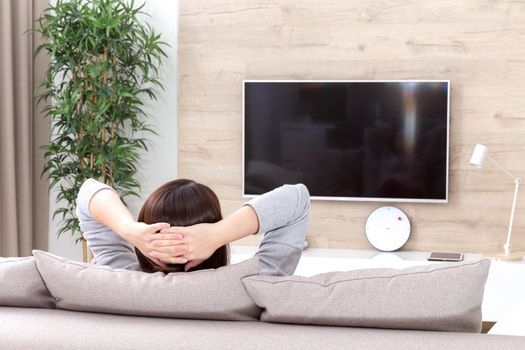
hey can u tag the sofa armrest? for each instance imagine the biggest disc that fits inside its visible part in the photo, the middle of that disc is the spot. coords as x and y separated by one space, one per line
512 323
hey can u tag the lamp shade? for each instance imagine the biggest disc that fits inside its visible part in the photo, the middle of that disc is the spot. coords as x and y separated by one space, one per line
479 155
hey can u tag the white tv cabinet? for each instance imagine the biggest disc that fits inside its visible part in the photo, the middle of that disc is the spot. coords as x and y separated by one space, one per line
505 286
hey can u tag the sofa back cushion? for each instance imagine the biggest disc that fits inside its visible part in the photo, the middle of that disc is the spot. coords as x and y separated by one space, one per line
206 294
21 285
442 297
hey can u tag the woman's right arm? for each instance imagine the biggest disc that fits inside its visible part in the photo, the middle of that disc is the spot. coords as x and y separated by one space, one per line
109 227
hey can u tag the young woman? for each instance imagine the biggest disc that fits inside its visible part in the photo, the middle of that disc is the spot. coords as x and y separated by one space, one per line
180 228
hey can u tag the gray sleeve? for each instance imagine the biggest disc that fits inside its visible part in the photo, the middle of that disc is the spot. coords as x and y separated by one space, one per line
283 219
108 248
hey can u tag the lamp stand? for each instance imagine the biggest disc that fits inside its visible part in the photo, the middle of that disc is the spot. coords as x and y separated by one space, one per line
507 255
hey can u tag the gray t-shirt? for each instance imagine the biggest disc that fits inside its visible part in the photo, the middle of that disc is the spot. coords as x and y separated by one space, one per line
283 218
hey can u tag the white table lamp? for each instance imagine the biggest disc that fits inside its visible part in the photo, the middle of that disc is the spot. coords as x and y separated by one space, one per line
478 158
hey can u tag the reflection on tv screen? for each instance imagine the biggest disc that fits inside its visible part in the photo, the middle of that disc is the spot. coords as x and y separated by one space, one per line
362 140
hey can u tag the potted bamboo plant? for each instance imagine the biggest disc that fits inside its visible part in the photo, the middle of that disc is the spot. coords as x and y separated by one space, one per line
104 63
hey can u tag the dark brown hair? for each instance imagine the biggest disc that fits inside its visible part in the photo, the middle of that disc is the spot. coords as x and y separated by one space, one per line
182 203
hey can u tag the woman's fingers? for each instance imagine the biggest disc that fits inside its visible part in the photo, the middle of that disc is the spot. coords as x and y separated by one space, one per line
174 229
174 250
175 260
157 227
165 237
169 236
167 243
192 264
169 258
158 262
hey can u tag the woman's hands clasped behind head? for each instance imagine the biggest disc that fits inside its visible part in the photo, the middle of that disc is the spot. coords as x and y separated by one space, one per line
200 241
142 236
197 243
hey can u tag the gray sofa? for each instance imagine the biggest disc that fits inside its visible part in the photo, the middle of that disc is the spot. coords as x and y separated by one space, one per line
47 302
27 328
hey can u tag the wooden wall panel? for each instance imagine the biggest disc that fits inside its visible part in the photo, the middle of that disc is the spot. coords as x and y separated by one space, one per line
478 44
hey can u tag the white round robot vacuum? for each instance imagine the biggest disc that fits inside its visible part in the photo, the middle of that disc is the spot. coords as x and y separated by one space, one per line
387 228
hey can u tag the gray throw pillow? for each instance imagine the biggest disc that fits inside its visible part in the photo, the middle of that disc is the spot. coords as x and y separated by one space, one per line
441 297
21 285
207 294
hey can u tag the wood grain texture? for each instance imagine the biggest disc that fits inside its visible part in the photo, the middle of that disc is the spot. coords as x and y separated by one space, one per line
478 44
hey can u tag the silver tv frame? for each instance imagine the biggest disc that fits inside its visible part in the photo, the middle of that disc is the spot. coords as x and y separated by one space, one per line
354 199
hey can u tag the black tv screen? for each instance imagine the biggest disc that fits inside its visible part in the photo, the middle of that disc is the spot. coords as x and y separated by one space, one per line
353 140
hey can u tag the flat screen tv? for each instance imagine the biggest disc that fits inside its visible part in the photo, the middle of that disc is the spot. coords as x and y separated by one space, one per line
348 140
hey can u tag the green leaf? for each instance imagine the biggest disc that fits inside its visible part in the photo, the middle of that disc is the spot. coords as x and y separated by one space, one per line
103 65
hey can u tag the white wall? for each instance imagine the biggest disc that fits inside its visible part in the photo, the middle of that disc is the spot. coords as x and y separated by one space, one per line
160 163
